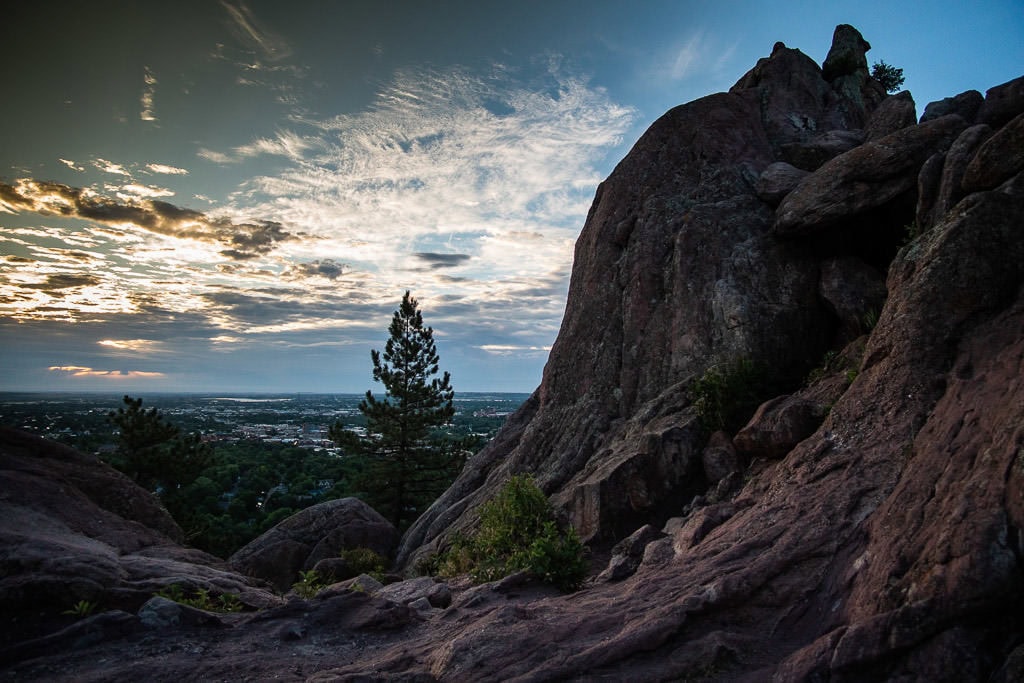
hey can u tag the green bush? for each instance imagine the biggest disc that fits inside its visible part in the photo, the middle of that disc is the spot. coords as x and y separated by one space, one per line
309 584
364 561
201 599
726 395
518 533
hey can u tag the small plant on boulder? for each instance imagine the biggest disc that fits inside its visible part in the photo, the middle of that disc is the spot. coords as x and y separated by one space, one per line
889 76
309 584
82 608
364 561
201 599
727 394
518 532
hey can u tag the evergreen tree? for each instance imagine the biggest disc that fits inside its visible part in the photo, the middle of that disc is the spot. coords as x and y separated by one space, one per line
889 76
406 469
153 452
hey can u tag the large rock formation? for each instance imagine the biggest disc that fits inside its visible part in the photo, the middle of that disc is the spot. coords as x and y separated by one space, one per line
679 268
866 524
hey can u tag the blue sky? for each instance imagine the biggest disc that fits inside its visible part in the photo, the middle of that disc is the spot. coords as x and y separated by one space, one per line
233 196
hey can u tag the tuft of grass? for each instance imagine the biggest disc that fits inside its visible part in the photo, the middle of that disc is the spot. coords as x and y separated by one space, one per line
201 599
81 609
309 584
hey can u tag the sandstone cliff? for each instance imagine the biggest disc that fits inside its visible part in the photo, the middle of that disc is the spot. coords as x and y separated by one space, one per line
864 524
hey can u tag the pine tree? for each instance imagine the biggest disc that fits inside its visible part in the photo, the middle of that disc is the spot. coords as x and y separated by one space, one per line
889 76
406 468
153 452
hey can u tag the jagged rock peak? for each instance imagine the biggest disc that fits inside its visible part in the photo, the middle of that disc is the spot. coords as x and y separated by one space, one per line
846 57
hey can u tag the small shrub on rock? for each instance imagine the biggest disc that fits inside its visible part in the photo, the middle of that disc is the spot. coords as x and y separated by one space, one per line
309 584
726 395
518 532
201 599
364 561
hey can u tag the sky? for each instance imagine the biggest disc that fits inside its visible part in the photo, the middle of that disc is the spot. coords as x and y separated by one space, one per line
233 196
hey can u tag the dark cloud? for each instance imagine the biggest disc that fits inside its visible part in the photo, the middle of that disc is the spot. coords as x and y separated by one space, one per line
242 240
328 268
435 261
59 281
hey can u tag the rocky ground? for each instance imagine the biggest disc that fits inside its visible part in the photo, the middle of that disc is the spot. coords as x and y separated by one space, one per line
865 524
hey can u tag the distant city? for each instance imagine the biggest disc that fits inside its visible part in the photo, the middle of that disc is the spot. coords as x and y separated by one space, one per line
303 420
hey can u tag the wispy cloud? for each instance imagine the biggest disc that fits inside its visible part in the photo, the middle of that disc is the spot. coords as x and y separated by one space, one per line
248 28
84 372
110 167
699 54
135 345
149 81
166 170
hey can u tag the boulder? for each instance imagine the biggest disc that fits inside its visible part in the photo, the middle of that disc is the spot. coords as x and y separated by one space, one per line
1002 103
894 113
319 532
778 180
998 158
810 154
940 183
719 458
965 105
628 553
864 178
778 426
436 593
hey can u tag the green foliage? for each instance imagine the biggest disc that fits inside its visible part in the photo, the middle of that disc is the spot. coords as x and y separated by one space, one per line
725 395
889 76
82 608
364 561
518 533
309 584
406 469
153 452
869 319
201 599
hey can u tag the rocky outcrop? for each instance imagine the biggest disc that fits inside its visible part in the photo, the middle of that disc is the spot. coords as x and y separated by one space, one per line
871 176
965 105
678 255
317 533
72 529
